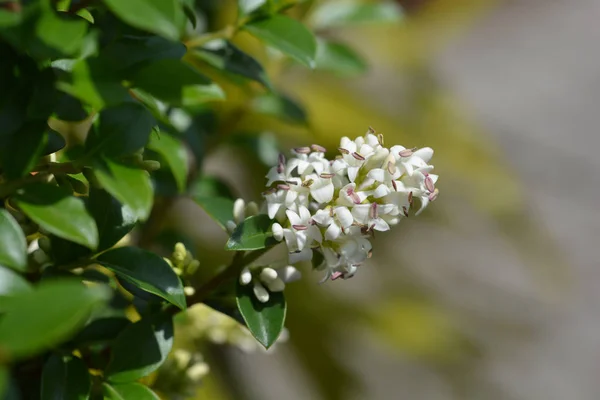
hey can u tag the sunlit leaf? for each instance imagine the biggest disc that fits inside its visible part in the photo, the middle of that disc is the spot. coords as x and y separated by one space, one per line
251 234
13 245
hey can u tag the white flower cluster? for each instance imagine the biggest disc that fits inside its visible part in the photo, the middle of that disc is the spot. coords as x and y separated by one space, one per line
334 207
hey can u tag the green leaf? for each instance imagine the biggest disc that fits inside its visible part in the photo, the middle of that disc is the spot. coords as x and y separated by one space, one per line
281 107
62 34
219 208
339 59
264 320
140 349
69 108
4 375
131 186
54 143
123 129
12 283
59 213
168 80
157 16
211 186
65 378
194 96
127 391
56 307
13 245
147 271
287 35
128 53
101 330
252 234
352 13
223 55
175 154
95 83
113 219
21 151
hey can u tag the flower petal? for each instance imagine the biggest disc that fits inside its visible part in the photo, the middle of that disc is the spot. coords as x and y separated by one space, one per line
344 216
322 190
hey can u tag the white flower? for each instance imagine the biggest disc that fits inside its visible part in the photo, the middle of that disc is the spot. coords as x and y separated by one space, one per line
373 216
335 219
303 229
349 196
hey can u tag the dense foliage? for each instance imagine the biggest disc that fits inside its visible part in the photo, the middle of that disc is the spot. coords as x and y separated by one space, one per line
108 108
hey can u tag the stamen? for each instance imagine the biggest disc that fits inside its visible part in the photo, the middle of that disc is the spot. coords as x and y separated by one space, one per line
318 148
281 186
355 198
434 195
300 227
406 153
325 175
410 198
373 213
302 150
391 167
429 184
343 150
405 211
394 185
358 156
380 139
371 130
336 275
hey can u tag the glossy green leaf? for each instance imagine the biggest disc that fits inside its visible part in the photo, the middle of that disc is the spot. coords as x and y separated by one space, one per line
113 219
11 283
56 307
95 83
128 53
54 143
59 213
101 330
264 320
4 378
126 391
339 59
281 107
9 18
195 96
21 151
147 271
288 36
175 154
69 108
354 12
223 55
13 245
168 80
140 349
131 186
122 129
219 208
61 33
252 234
65 378
157 16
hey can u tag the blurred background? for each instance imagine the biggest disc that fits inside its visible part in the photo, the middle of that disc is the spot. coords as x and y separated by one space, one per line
493 292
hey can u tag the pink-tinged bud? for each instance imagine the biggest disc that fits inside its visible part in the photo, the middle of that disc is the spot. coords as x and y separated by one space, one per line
406 153
302 150
373 211
318 148
336 275
410 198
391 167
429 184
325 175
380 139
405 211
395 185
343 150
371 130
434 195
358 156
281 186
300 227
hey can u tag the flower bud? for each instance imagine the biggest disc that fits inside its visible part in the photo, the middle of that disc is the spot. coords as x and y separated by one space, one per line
197 371
230 225
260 292
189 290
268 275
245 277
238 210
277 231
151 165
251 208
44 244
276 285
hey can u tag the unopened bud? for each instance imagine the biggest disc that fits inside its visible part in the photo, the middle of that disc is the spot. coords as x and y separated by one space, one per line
238 210
260 292
230 225
197 372
245 277
151 165
192 267
189 290
277 230
180 252
268 275
44 244
251 209
276 285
